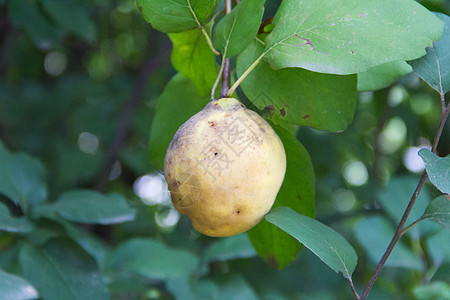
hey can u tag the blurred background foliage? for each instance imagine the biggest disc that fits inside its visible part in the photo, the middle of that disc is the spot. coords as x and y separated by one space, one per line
79 85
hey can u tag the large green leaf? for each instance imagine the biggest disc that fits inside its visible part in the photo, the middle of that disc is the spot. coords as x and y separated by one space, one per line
22 178
299 96
62 270
11 224
13 287
437 290
322 240
229 248
434 67
71 16
177 15
382 76
438 169
86 206
153 259
346 37
236 30
438 211
297 192
192 57
179 101
438 247
374 235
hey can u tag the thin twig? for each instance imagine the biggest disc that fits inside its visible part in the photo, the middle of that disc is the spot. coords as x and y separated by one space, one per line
410 226
226 62
124 123
355 293
399 231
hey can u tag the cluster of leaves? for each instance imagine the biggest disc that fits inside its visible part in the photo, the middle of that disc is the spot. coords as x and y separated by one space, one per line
306 68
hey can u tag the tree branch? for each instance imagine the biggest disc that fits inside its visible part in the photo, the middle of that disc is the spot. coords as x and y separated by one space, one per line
226 64
399 231
124 124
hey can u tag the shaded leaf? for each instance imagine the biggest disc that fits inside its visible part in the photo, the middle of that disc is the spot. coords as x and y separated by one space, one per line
72 16
438 169
179 101
382 76
322 240
86 206
11 224
26 14
13 287
69 272
438 290
234 286
395 196
153 259
229 248
434 67
374 234
235 31
298 96
346 37
22 178
438 247
192 57
177 15
438 211
274 245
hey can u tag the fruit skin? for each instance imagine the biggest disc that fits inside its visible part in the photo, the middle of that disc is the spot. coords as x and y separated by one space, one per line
224 168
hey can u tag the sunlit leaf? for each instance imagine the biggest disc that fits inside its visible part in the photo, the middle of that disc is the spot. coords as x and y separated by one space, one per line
177 15
345 37
236 30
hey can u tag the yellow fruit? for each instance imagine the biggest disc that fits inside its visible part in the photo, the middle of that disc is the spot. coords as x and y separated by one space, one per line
224 168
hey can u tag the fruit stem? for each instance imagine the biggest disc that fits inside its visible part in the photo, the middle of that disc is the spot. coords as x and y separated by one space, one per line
245 74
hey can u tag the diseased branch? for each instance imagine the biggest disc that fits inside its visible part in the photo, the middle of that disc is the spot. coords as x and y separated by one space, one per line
125 120
399 232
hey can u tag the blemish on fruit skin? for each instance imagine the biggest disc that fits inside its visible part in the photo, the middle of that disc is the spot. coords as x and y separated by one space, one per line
282 112
211 124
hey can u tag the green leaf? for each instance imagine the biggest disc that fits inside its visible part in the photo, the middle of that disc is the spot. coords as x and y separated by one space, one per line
274 245
382 76
235 31
179 101
298 96
346 37
229 248
69 272
13 287
438 169
438 211
86 206
234 286
374 235
10 224
192 57
177 15
395 196
434 67
152 259
22 178
322 240
71 16
26 14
